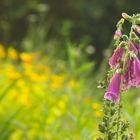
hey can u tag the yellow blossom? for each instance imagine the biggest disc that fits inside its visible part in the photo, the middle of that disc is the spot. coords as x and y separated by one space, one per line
38 77
2 52
56 111
96 106
11 72
28 69
12 53
61 104
21 83
25 90
55 85
24 100
56 82
50 119
38 89
57 77
72 83
98 114
26 57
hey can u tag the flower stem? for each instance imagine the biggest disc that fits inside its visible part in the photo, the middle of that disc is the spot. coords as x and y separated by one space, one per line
121 91
118 118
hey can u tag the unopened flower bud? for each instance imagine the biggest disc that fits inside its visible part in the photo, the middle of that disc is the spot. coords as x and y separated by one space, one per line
117 34
125 37
138 29
126 16
120 23
136 41
133 35
137 21
123 44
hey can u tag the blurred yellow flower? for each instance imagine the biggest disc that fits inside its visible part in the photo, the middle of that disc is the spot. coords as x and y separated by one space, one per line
57 77
26 57
56 82
50 119
12 53
27 68
96 106
11 72
98 114
25 90
38 89
2 52
21 83
72 84
56 111
38 77
24 100
55 85
61 104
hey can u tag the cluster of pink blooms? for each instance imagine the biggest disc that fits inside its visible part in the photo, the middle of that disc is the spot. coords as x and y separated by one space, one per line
131 76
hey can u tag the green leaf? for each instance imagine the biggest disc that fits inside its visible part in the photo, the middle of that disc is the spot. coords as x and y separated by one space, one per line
99 138
124 137
102 128
83 68
8 120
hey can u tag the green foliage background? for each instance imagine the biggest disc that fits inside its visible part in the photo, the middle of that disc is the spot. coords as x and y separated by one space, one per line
92 20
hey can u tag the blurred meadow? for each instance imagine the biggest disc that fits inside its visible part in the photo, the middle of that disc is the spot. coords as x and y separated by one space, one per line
52 56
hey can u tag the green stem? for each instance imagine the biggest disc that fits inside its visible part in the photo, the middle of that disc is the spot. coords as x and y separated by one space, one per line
118 117
109 120
119 104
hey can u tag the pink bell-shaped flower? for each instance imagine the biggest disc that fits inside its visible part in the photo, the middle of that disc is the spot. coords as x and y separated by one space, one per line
116 57
136 72
113 91
138 48
133 48
128 75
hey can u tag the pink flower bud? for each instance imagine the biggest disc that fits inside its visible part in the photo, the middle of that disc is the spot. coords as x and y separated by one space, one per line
126 16
138 29
117 34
